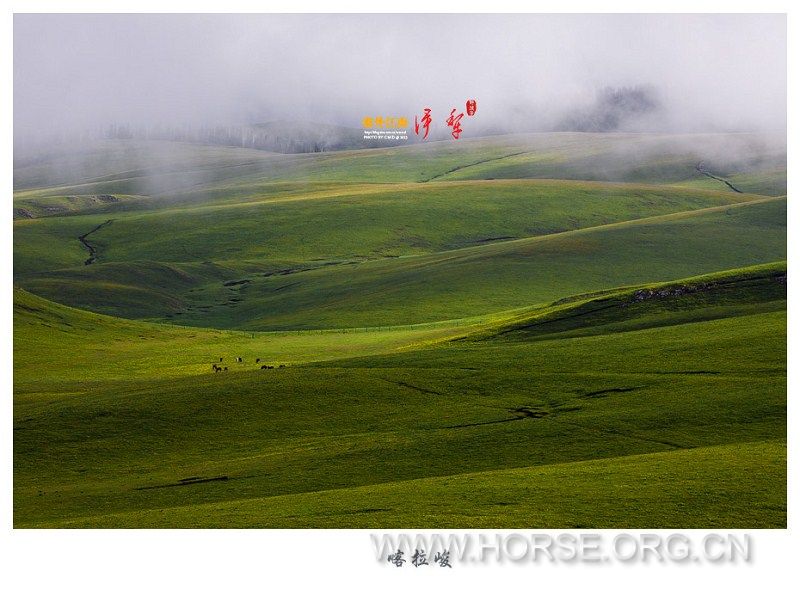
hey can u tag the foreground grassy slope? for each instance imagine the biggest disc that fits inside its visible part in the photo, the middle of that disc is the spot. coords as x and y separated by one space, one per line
123 453
697 488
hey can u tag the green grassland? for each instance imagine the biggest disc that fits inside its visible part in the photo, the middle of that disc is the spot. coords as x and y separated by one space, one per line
441 409
373 222
628 492
113 349
317 263
544 331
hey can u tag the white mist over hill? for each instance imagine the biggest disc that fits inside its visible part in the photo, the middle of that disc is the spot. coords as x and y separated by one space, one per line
80 74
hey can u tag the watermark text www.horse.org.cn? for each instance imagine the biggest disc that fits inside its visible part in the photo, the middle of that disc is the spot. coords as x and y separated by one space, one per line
450 550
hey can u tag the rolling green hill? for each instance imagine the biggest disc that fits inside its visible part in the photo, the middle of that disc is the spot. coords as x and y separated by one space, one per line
544 331
440 409
315 263
81 348
438 286
504 275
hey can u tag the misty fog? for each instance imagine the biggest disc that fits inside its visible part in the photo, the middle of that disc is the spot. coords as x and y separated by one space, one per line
80 74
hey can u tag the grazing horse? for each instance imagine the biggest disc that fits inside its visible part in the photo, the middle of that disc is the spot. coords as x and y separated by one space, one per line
217 368
263 367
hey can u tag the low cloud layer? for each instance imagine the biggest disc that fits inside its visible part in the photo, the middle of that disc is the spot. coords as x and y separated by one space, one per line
77 73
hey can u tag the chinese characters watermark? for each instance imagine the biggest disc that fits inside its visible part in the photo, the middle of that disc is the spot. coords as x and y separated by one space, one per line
453 121
420 558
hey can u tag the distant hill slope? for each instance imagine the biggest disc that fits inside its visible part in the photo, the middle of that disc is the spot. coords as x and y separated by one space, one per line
231 255
428 287
137 167
288 137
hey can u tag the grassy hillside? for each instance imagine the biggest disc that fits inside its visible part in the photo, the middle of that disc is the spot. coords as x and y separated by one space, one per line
446 409
505 275
754 289
574 495
373 222
382 258
544 331
60 349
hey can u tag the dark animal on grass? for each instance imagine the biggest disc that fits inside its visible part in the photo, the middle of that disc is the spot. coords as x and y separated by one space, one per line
258 360
217 369
220 360
263 367
238 359
281 366
225 368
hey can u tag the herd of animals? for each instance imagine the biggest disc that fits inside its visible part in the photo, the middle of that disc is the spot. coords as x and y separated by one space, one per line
216 368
